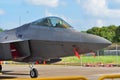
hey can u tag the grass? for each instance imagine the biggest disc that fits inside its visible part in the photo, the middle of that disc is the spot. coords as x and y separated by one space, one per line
93 60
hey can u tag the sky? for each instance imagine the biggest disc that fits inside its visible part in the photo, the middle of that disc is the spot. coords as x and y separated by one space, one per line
80 14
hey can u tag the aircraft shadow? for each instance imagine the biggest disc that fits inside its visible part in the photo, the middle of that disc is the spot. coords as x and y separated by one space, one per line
12 73
7 77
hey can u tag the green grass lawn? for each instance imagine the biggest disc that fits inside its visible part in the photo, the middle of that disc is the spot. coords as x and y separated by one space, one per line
93 60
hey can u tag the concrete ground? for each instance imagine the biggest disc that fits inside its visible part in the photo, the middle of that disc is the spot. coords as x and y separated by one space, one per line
22 71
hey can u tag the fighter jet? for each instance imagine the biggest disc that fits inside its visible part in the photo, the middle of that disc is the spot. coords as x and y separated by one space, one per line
46 38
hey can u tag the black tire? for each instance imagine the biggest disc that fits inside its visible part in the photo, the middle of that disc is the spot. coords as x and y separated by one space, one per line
33 73
0 68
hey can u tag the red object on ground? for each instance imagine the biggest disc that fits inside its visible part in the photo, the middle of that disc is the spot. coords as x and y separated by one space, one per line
0 62
44 62
109 65
37 62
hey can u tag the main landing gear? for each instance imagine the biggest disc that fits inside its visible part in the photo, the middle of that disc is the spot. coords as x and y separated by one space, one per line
33 71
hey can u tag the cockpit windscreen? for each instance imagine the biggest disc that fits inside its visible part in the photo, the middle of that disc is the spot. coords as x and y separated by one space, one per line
52 22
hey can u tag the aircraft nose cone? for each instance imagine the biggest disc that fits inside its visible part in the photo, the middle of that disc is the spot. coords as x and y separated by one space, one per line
97 41
104 41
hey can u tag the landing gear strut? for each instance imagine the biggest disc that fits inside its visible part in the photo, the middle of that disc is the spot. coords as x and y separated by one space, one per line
33 71
0 68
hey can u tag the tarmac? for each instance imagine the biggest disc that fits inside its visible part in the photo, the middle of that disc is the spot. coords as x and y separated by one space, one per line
46 71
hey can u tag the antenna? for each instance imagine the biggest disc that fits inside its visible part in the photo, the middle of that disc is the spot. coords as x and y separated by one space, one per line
19 20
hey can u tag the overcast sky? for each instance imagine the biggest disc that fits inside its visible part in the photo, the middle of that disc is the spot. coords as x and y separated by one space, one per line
81 14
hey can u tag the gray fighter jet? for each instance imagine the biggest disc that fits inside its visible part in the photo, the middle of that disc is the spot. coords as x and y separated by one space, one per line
46 38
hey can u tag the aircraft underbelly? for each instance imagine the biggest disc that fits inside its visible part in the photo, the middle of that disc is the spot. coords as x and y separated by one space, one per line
33 50
46 49
49 49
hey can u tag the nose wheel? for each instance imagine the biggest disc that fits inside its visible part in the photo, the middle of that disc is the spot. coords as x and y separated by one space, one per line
33 72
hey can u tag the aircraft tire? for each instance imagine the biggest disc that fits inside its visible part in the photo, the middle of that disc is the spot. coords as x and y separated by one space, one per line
33 73
0 68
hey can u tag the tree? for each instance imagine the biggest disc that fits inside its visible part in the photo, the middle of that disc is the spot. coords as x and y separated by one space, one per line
94 30
108 32
117 37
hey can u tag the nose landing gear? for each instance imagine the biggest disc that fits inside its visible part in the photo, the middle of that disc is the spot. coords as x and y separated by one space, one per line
33 71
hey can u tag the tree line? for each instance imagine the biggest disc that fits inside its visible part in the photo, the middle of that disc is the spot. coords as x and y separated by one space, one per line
111 33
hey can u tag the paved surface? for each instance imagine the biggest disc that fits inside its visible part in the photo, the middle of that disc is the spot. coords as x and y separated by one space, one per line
22 71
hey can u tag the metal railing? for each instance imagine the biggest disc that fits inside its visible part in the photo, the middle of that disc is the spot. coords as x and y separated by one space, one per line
114 76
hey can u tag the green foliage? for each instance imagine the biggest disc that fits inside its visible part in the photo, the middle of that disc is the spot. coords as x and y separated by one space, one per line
108 32
117 37
94 30
92 59
1 30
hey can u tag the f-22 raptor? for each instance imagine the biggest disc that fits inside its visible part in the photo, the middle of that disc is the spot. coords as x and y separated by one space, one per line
46 38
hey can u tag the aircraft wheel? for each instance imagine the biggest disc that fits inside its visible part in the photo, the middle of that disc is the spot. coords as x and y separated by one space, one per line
0 68
33 73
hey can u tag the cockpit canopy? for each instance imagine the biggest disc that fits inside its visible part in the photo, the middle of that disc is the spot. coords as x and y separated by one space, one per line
52 22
